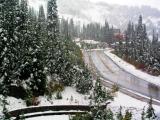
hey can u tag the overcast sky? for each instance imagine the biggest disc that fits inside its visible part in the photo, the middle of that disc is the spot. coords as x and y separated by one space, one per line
37 3
152 3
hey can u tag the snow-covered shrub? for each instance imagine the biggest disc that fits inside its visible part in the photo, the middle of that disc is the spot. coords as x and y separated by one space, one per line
58 95
119 115
115 88
128 115
53 87
32 101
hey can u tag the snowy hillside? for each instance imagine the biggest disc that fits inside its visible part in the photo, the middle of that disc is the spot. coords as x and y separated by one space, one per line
134 105
116 15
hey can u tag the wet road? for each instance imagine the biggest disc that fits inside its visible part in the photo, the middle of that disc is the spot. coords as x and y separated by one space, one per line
110 71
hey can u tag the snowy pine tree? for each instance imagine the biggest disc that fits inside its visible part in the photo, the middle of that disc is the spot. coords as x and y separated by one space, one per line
41 17
139 50
143 114
128 115
100 97
31 49
34 57
8 42
83 81
150 114
53 42
119 114
100 94
21 36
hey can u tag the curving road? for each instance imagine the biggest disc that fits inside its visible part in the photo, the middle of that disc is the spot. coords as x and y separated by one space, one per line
111 72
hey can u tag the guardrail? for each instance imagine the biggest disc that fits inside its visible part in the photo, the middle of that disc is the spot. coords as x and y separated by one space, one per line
51 110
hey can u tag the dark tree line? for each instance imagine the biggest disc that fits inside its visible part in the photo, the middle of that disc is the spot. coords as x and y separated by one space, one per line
139 50
91 31
70 28
98 32
32 48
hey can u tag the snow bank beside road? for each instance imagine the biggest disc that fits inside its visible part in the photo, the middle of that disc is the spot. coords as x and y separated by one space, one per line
131 69
132 104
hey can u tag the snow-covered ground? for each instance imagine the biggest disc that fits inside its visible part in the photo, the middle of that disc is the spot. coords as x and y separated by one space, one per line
131 69
60 117
78 41
14 103
90 41
70 96
134 105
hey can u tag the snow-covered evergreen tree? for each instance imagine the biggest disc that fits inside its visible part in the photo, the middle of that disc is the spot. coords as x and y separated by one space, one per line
41 16
2 37
143 114
128 115
35 56
53 43
150 114
21 36
83 80
100 97
8 41
139 50
31 48
21 57
64 28
119 114
42 30
100 94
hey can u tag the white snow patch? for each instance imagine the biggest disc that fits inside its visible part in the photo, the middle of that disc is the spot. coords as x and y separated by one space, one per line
132 104
0 30
35 60
76 40
60 117
70 97
14 103
90 41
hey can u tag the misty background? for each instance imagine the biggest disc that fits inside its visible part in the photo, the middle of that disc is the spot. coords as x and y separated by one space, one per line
118 15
